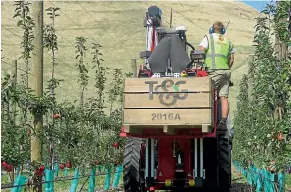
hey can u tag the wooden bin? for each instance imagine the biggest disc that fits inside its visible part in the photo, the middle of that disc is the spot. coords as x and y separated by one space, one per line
168 103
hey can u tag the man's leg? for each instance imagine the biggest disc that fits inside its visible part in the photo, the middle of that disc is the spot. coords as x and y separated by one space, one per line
224 107
223 94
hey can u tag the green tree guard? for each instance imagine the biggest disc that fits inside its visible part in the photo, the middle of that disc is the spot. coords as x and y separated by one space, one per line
99 168
92 180
244 172
49 178
281 181
20 180
238 166
268 181
117 174
259 180
74 184
66 172
250 177
17 171
102 169
107 179
256 176
56 167
271 182
254 179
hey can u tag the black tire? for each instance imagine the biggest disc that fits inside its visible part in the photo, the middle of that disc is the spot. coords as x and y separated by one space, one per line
224 163
132 166
210 153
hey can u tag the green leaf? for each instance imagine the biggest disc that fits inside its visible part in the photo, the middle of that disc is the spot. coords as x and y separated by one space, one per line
19 23
49 9
16 15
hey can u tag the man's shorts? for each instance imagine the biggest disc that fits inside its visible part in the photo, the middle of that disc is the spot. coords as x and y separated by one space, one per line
221 78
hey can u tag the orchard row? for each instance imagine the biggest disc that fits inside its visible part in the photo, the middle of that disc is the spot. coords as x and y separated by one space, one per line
83 134
262 120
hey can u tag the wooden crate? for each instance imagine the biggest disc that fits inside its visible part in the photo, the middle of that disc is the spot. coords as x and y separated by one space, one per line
168 103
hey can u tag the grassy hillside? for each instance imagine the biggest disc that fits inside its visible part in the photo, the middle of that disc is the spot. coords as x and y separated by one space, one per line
118 27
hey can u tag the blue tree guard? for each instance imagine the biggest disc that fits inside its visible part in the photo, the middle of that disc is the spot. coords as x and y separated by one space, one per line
92 180
118 171
107 179
66 172
268 181
75 181
20 180
249 177
17 171
49 178
56 168
259 181
281 181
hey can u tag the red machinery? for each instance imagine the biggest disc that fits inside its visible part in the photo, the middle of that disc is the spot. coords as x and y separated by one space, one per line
181 158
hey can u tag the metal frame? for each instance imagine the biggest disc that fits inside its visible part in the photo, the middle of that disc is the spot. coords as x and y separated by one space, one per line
192 162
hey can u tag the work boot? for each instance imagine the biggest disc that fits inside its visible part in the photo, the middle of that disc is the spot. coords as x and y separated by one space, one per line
222 125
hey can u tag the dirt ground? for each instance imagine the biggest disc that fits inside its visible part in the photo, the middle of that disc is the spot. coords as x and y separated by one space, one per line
239 184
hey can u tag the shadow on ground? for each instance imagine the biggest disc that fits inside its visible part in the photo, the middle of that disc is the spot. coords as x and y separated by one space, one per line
236 187
239 187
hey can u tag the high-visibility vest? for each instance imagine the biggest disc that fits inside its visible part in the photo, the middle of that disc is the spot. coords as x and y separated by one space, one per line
218 53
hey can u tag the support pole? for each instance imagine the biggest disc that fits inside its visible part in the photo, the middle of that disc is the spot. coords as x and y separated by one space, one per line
37 72
280 47
134 67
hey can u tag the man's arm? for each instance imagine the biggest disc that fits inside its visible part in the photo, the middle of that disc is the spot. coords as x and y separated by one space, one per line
204 44
202 48
231 61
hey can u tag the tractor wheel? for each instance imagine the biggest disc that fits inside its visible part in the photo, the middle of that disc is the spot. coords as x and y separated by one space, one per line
210 153
132 178
224 163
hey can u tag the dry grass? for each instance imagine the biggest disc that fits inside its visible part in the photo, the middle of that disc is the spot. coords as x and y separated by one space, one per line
118 27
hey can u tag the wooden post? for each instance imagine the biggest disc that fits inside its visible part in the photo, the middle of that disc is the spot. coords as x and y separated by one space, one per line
134 67
37 72
283 51
280 47
276 48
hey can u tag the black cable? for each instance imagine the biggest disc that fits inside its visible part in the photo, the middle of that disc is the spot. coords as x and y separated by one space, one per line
192 47
84 184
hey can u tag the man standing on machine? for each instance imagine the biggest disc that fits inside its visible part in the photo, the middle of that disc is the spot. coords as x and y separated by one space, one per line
218 62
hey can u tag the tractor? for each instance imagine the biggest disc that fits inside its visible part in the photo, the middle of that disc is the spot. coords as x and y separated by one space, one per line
170 116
